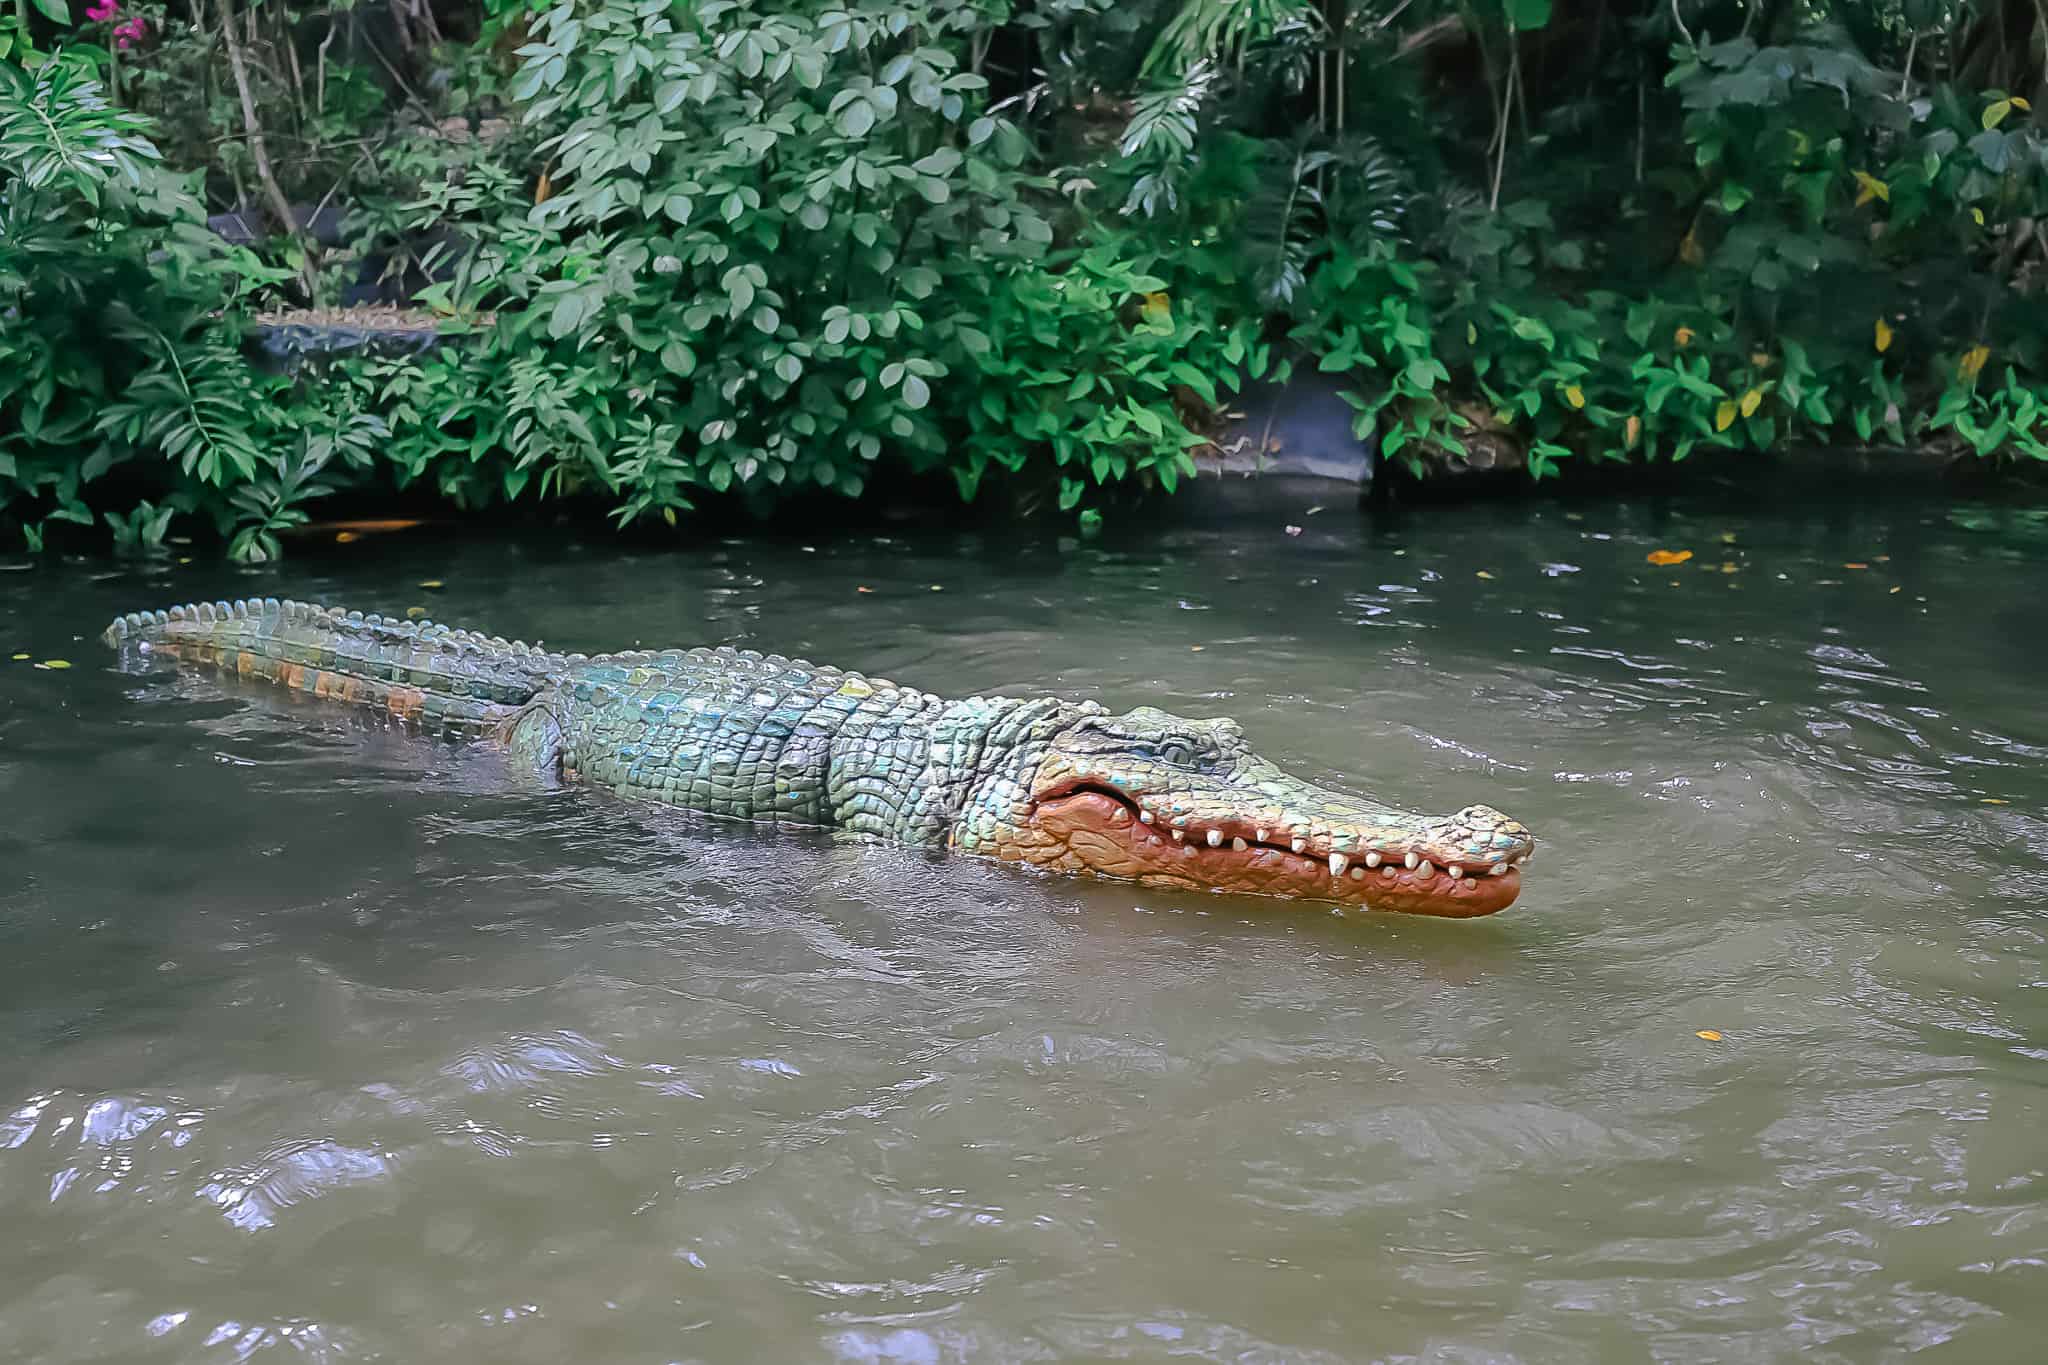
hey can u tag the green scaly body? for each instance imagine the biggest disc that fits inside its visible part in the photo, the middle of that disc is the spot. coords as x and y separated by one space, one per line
734 733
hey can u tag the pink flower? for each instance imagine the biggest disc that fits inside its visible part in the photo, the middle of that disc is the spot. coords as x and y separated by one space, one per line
134 31
104 10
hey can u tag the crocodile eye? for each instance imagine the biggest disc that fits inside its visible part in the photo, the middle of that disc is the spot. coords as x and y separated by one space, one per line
1178 753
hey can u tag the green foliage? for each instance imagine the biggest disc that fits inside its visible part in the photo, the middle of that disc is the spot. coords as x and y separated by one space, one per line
682 250
116 350
772 247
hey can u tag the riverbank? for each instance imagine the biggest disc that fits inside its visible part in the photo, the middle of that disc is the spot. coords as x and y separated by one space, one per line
500 268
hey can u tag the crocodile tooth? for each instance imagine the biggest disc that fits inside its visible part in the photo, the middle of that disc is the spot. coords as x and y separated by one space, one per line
1425 869
1179 835
1502 869
1238 844
1261 835
1215 837
1357 874
1457 873
1373 859
1337 864
1413 858
1300 845
1387 871
1471 882
1145 817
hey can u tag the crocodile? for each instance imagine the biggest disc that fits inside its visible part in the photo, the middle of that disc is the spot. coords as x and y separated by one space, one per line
1060 785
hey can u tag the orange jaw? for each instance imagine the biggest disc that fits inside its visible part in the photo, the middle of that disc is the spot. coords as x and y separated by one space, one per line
1092 831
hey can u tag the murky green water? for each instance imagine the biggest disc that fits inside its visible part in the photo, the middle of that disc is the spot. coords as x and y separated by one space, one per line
323 1043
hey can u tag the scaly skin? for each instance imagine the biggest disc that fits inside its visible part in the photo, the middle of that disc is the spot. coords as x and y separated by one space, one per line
1145 796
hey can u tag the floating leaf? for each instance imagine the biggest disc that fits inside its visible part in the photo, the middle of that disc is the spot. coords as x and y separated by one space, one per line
1993 801
1292 530
1711 1035
1196 649
19 657
1158 308
1575 395
431 583
1995 112
1689 250
1632 430
543 189
1482 574
344 537
1724 416
1668 557
1855 566
1972 363
937 588
1978 214
863 588
54 663
375 524
1751 401
1760 360
1869 188
415 613
1884 335
1683 336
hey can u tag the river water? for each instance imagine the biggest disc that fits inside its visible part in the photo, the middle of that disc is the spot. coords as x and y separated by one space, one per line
325 1043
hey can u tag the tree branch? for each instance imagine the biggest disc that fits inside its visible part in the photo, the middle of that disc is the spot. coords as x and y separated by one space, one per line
257 151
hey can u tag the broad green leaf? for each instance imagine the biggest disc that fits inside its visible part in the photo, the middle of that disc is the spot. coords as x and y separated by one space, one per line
568 312
856 119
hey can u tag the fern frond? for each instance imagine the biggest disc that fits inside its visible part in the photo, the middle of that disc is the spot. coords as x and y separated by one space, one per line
1217 30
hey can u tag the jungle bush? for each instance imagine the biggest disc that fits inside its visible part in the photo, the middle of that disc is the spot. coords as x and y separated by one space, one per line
681 250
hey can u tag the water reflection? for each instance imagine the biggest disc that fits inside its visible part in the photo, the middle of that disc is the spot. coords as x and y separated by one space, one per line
329 1043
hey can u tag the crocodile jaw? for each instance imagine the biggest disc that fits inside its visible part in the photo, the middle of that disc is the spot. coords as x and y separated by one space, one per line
1250 829
1092 831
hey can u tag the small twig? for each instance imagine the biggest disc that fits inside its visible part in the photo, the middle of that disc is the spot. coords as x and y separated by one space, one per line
1683 31
291 52
320 71
1344 56
1642 129
1503 116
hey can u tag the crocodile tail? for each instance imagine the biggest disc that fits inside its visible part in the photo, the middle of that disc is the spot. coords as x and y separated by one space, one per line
455 682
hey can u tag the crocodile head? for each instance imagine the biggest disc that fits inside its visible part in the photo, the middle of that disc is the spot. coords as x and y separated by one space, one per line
1167 801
